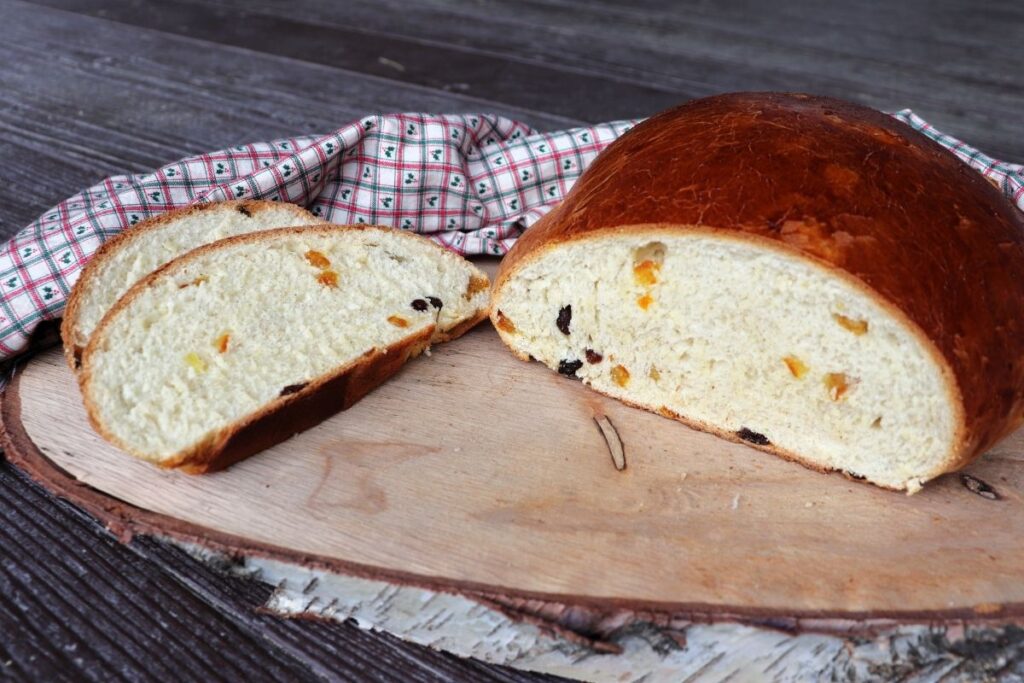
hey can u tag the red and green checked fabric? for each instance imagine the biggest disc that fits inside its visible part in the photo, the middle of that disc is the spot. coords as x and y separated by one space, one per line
473 182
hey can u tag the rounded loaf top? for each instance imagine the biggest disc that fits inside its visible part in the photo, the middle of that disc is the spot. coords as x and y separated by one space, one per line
849 187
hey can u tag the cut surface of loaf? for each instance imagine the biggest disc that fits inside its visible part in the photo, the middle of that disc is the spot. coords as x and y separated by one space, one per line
240 344
736 338
131 255
796 273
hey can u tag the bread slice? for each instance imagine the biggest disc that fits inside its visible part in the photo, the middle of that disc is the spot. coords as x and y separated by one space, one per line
241 343
131 255
800 274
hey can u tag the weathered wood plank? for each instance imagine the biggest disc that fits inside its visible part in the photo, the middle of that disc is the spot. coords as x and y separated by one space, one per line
953 63
74 599
338 40
82 98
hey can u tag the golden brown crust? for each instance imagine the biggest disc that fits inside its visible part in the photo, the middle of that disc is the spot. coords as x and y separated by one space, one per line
319 399
68 329
460 329
297 412
849 188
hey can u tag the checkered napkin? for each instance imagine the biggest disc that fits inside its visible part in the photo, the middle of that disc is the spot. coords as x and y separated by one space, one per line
473 182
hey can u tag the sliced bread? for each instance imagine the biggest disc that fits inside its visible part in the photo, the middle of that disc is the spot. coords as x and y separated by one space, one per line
800 274
241 343
131 255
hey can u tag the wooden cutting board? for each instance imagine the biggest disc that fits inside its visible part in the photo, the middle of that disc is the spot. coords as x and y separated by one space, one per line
472 470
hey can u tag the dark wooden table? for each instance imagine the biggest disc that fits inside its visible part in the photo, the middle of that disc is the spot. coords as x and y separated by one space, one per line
89 88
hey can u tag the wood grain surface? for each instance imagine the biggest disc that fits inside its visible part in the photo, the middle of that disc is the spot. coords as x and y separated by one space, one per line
90 88
471 469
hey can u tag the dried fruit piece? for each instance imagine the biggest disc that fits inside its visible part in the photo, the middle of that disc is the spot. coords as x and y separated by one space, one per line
504 324
293 388
317 260
796 366
222 342
419 305
398 321
195 361
646 273
593 356
435 302
644 301
564 319
198 281
620 375
654 374
858 327
476 284
837 384
750 436
569 367
328 278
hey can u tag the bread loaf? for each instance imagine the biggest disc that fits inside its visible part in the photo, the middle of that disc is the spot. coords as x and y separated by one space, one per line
239 344
131 255
797 273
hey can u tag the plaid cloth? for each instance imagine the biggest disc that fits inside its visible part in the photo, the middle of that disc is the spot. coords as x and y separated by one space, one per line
473 182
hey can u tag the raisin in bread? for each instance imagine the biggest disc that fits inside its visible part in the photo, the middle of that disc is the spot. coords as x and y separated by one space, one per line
798 273
241 343
131 255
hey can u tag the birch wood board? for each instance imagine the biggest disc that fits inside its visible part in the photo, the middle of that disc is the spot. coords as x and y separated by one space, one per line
473 470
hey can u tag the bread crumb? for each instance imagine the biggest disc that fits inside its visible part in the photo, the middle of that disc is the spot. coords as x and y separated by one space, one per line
735 501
